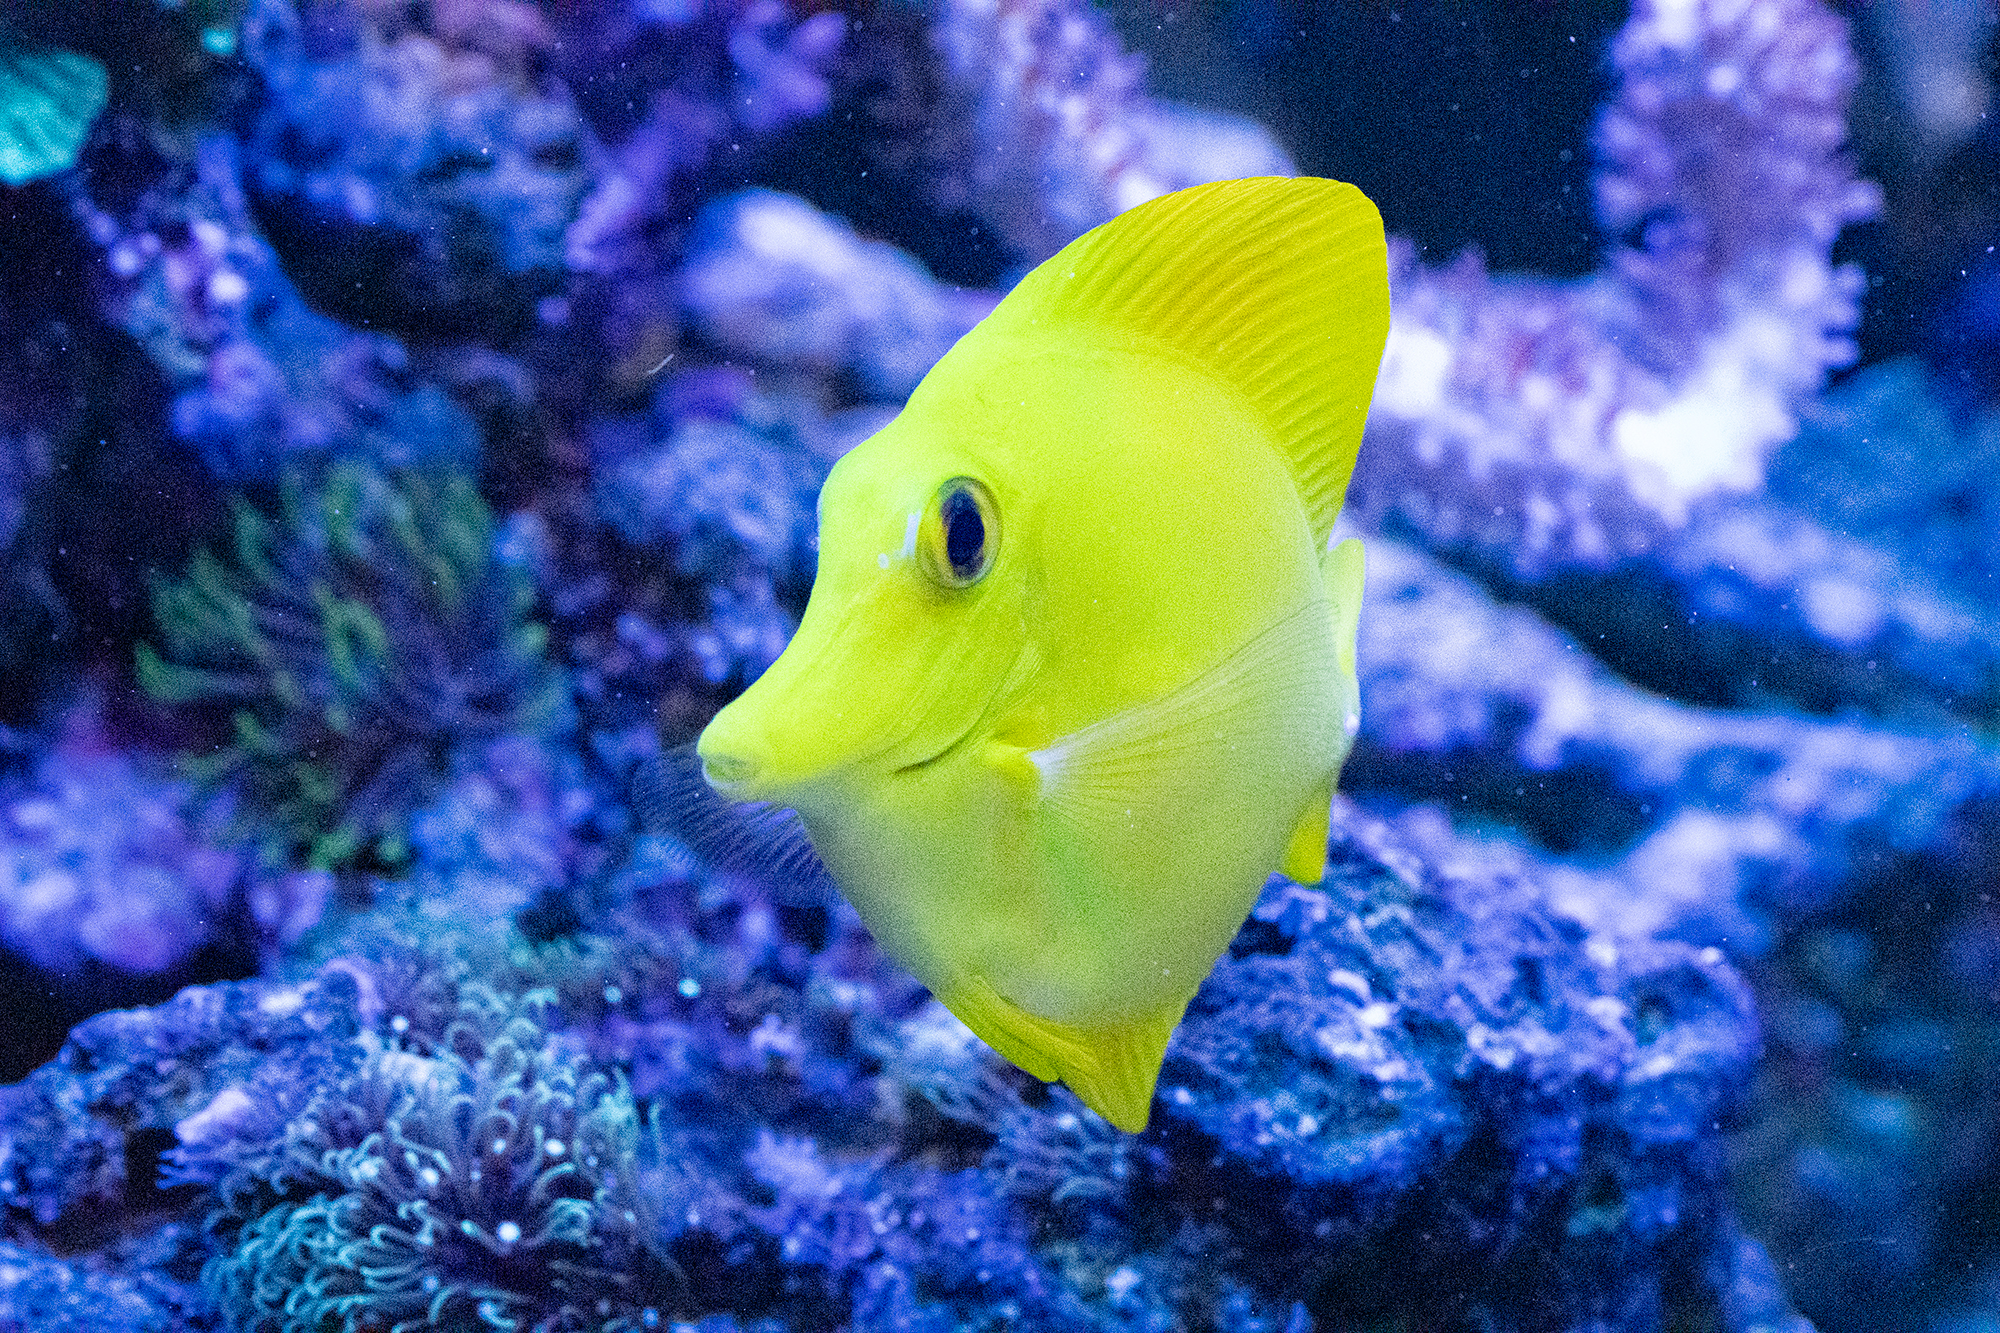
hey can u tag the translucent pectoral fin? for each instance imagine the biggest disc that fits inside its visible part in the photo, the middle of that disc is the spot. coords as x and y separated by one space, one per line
1097 776
1113 1066
1305 855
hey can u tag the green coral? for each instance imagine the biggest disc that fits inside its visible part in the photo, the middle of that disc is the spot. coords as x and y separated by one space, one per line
215 21
357 639
486 1184
48 100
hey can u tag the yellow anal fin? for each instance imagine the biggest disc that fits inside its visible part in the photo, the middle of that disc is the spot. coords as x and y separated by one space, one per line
1016 766
1113 1067
1305 857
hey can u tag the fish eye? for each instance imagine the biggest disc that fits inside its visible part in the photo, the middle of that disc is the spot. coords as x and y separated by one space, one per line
961 533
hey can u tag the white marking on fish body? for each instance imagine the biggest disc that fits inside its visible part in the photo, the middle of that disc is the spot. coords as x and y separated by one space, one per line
910 535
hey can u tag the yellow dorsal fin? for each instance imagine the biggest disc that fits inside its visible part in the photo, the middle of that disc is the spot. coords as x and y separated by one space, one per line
1112 1066
1277 285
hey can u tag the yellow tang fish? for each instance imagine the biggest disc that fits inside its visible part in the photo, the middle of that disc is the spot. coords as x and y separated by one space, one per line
1077 672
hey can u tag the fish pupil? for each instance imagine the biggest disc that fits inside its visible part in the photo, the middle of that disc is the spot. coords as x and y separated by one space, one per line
964 533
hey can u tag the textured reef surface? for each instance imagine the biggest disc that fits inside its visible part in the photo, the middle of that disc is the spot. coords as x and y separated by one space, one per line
411 416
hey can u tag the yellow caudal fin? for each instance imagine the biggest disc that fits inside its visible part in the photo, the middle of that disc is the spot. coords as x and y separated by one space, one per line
1113 1067
1305 857
1277 286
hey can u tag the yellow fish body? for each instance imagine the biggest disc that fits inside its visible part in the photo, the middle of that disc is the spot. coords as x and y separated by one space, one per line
1077 672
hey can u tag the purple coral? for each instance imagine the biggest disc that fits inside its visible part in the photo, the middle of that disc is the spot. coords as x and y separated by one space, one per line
1538 424
1068 136
259 378
101 862
770 278
1464 1073
513 822
1718 817
418 176
721 481
780 66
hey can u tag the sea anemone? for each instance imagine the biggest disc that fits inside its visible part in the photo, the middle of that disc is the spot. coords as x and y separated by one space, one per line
468 1188
356 640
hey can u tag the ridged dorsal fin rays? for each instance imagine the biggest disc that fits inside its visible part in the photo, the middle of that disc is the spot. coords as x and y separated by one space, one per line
1274 285
1053 780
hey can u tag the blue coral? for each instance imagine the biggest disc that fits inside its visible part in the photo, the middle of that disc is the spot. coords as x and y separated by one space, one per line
105 863
773 280
261 380
1537 426
723 481
418 177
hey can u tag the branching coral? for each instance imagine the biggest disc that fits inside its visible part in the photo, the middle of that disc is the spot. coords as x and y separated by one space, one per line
1458 1080
1069 137
770 278
1537 424
1867 582
1718 818
355 643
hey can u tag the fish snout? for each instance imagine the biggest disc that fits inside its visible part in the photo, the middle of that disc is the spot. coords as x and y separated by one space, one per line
732 759
727 772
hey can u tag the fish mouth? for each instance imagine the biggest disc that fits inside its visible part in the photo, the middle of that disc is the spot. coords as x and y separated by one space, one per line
726 772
